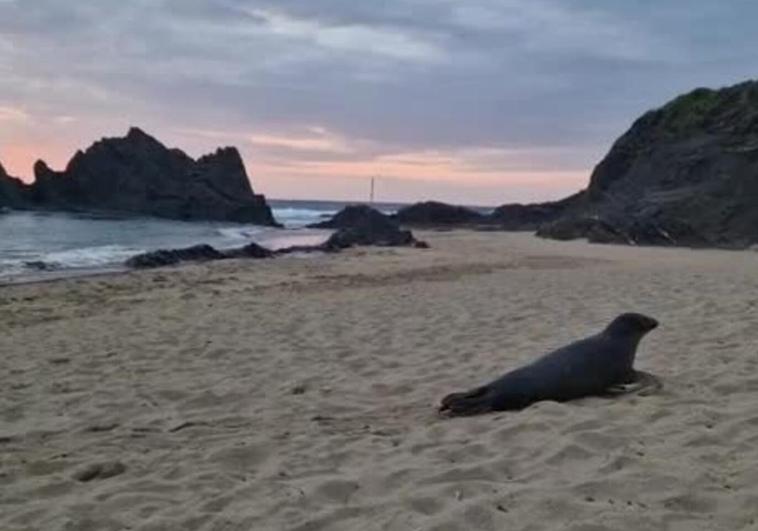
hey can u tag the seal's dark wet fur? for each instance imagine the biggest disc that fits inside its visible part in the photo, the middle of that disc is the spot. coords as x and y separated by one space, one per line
589 367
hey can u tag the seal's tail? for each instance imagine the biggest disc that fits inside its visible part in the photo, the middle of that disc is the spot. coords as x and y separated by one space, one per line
469 403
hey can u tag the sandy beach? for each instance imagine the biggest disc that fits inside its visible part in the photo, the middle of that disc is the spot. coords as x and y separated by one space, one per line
299 394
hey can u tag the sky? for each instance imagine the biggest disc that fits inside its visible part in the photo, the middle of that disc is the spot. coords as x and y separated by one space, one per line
467 101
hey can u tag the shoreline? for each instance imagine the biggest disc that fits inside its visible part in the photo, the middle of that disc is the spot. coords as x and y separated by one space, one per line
316 236
273 239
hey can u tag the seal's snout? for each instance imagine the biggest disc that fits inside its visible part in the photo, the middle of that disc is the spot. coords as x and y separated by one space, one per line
643 323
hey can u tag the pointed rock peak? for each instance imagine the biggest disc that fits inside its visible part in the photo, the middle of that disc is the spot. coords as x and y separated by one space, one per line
228 153
226 157
138 136
3 173
41 168
136 133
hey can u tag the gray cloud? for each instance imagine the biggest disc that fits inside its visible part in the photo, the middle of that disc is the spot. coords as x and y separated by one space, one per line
557 78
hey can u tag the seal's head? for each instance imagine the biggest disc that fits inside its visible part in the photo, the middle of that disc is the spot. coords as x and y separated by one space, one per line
631 323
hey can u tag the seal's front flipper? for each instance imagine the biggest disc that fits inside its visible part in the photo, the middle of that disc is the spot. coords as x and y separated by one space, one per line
641 383
648 383
468 403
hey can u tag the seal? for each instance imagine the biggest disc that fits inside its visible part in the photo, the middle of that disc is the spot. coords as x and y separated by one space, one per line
599 365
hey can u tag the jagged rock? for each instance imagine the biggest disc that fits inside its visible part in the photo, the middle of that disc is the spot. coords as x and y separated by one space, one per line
166 257
684 174
363 225
136 174
433 213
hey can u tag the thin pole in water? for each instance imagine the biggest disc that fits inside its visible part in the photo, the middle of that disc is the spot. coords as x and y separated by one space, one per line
372 191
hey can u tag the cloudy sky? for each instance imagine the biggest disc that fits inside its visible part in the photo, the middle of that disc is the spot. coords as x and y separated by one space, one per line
472 101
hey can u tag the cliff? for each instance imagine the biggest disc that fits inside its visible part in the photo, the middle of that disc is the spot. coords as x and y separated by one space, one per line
685 174
136 174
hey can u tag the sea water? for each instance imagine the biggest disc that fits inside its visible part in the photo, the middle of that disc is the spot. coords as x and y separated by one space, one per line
44 244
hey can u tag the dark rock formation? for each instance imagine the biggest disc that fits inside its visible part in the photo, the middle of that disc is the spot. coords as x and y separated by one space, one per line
433 213
13 192
358 225
353 216
513 216
529 217
166 257
363 225
685 174
39 265
368 235
631 231
196 253
251 250
137 174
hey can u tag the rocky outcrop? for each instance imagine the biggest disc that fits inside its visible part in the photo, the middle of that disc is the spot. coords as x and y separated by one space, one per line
196 253
436 214
166 257
363 225
616 229
685 174
368 235
356 226
512 216
136 174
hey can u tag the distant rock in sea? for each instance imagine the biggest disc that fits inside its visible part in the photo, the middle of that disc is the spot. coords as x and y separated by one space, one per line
436 214
512 217
685 174
354 215
363 225
136 174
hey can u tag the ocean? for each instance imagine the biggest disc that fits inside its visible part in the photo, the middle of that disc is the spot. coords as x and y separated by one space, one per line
39 245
